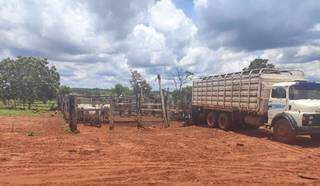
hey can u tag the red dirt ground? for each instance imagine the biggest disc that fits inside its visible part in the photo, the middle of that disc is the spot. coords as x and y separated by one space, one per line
129 156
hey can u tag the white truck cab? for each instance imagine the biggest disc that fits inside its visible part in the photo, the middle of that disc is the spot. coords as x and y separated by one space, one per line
294 108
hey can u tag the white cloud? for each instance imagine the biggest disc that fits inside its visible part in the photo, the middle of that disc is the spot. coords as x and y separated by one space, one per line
96 43
310 69
5 53
308 50
315 28
299 54
257 25
165 17
305 58
201 3
147 47
274 55
179 30
204 61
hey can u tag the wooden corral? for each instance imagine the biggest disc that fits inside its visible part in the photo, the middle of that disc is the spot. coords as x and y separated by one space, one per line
96 110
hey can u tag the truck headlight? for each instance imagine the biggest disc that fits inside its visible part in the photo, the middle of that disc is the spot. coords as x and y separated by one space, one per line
307 119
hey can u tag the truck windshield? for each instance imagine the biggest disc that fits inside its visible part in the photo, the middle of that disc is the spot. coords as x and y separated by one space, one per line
305 91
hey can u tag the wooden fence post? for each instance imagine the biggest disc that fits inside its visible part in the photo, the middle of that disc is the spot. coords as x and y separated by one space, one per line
139 116
73 114
65 105
129 106
110 116
167 106
163 106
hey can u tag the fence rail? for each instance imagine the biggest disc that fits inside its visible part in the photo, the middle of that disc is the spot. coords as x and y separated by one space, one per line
101 109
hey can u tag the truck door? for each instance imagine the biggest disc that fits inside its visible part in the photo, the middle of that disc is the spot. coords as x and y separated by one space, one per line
277 102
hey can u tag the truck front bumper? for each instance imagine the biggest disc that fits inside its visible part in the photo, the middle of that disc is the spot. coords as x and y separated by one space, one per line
308 130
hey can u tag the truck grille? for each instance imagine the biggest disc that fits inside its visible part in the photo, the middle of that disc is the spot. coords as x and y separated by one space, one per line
316 120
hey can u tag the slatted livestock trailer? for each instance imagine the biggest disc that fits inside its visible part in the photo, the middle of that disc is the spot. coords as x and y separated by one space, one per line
233 99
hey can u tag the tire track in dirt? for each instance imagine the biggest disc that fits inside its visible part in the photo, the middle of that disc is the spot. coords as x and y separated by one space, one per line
123 171
295 150
177 155
147 165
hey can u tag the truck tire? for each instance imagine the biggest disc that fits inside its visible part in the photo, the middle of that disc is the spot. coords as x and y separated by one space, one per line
315 137
212 119
224 121
283 132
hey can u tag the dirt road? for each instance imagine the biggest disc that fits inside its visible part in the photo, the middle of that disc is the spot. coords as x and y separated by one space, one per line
175 156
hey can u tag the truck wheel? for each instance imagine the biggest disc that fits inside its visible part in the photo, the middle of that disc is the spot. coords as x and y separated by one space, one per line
212 119
224 121
283 132
315 137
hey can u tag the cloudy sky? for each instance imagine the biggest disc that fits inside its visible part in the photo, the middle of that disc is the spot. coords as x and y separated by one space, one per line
97 43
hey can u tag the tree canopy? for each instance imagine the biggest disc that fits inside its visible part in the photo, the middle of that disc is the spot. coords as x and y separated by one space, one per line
184 96
259 64
28 79
140 89
120 90
64 90
181 78
139 84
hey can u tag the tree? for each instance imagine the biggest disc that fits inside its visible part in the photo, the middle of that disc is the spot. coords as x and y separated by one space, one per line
184 96
28 79
95 92
120 90
139 84
182 77
64 90
140 88
7 78
259 64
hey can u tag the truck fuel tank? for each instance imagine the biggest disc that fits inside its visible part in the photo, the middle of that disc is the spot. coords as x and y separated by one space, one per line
253 120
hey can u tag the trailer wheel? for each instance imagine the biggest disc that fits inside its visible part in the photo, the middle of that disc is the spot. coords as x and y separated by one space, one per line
283 132
212 119
224 121
315 137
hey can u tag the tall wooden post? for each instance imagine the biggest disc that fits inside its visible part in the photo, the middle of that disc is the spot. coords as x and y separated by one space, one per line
110 116
65 104
73 114
167 106
130 106
163 106
139 109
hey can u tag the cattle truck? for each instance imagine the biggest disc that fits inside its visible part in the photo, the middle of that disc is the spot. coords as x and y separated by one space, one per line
282 100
